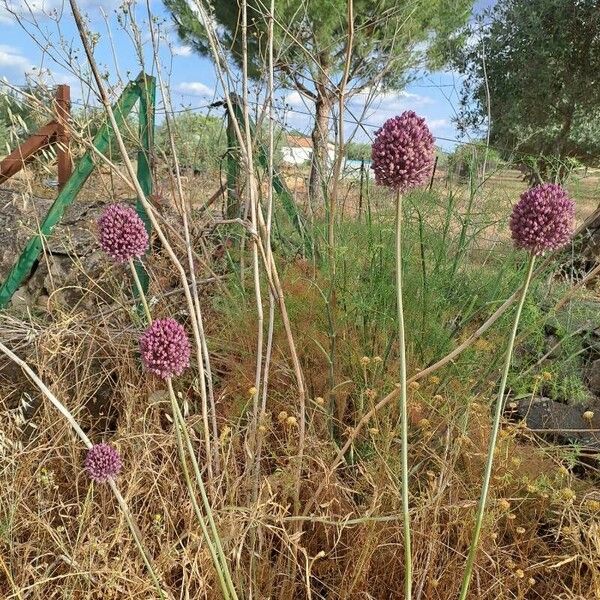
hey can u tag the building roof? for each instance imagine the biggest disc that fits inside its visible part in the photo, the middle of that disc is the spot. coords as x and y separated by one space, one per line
298 141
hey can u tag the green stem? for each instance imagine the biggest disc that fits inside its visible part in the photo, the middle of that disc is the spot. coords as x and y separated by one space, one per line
179 427
493 438
403 409
215 541
140 289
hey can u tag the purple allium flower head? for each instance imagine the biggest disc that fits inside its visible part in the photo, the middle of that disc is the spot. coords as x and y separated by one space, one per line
165 348
403 152
542 219
122 233
102 461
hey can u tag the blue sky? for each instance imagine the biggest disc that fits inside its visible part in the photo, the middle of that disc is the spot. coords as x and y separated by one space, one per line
26 48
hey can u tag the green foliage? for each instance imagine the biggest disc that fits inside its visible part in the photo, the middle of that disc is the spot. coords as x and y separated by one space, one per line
469 158
542 58
384 48
357 151
200 140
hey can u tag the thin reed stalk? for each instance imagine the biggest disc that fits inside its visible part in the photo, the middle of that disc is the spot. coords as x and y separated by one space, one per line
493 439
403 407
213 548
213 538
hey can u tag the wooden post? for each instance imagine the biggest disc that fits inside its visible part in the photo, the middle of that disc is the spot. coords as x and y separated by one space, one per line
63 153
15 161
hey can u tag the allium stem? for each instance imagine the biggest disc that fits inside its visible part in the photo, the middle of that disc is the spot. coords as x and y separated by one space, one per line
140 289
213 541
493 438
66 413
403 410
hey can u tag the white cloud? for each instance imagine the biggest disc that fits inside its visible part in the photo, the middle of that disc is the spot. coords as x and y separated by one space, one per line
12 60
182 50
391 101
296 100
194 88
40 9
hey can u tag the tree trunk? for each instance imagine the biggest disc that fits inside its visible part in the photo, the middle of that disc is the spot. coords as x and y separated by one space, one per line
319 165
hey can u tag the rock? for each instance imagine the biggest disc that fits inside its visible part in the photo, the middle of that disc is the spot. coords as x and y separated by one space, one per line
558 423
593 376
72 258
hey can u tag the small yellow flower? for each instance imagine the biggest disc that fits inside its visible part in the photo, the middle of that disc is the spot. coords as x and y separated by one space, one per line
291 422
531 581
593 505
588 415
504 504
520 530
252 392
377 359
438 398
365 360
520 573
546 375
414 385
282 416
424 424
320 401
511 516
567 494
434 380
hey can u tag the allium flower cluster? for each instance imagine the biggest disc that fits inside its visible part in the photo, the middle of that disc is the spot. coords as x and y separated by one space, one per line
122 233
402 154
165 348
102 462
543 219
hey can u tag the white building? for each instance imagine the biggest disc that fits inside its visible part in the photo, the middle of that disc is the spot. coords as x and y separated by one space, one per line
298 150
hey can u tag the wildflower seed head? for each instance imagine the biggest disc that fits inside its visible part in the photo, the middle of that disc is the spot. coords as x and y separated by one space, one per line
543 219
414 385
165 348
567 495
102 462
403 152
588 415
365 360
504 504
122 233
291 422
